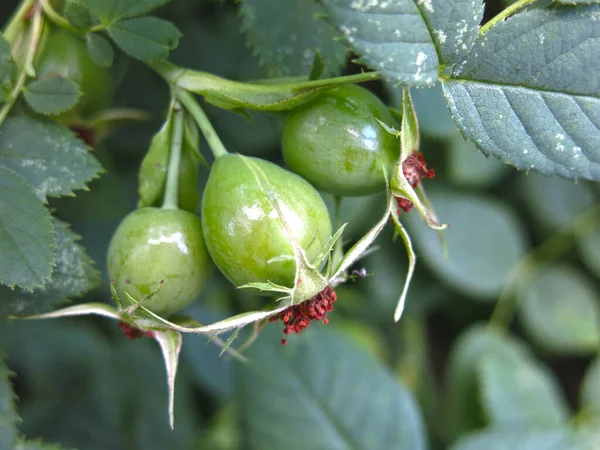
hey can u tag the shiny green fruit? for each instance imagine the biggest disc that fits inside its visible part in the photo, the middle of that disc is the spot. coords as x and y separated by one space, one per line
336 143
65 54
158 256
244 232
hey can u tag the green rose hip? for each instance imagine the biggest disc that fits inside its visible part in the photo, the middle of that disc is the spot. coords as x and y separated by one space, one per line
337 144
241 219
158 256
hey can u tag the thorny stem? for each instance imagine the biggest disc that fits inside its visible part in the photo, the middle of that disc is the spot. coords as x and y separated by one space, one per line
36 31
548 251
504 14
12 29
199 116
172 189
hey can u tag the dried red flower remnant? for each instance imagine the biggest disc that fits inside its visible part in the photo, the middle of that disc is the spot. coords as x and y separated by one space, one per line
134 333
414 169
297 317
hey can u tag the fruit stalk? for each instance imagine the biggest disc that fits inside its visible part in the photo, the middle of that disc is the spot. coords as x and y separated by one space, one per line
172 188
199 116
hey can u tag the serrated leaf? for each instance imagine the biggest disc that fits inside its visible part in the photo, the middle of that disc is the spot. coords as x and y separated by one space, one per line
544 439
77 14
285 35
53 95
52 160
7 69
72 276
555 202
527 92
520 394
99 50
145 38
26 239
153 172
307 383
109 11
8 413
590 388
403 38
558 308
482 229
474 344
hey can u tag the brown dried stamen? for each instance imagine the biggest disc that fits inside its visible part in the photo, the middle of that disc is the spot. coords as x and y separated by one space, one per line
297 317
414 169
134 333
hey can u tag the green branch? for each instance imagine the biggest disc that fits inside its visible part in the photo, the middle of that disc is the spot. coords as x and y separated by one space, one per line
199 116
509 11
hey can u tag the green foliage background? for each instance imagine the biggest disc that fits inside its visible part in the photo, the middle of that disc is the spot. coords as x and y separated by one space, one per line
441 378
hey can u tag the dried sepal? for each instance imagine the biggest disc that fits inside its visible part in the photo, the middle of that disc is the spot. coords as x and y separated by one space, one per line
170 343
360 247
97 309
412 261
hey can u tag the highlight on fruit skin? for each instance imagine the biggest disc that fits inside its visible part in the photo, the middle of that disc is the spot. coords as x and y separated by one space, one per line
338 144
158 257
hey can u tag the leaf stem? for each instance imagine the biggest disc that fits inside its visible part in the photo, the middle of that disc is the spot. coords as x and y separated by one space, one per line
34 39
56 17
510 10
172 189
12 29
199 116
549 250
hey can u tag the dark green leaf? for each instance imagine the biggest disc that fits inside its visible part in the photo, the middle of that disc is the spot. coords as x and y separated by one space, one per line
52 95
402 39
47 155
145 38
8 413
469 167
520 394
327 392
109 11
390 36
590 389
73 275
550 439
589 250
77 14
472 347
481 229
26 239
528 94
7 68
100 50
555 202
286 34
559 309
38 445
